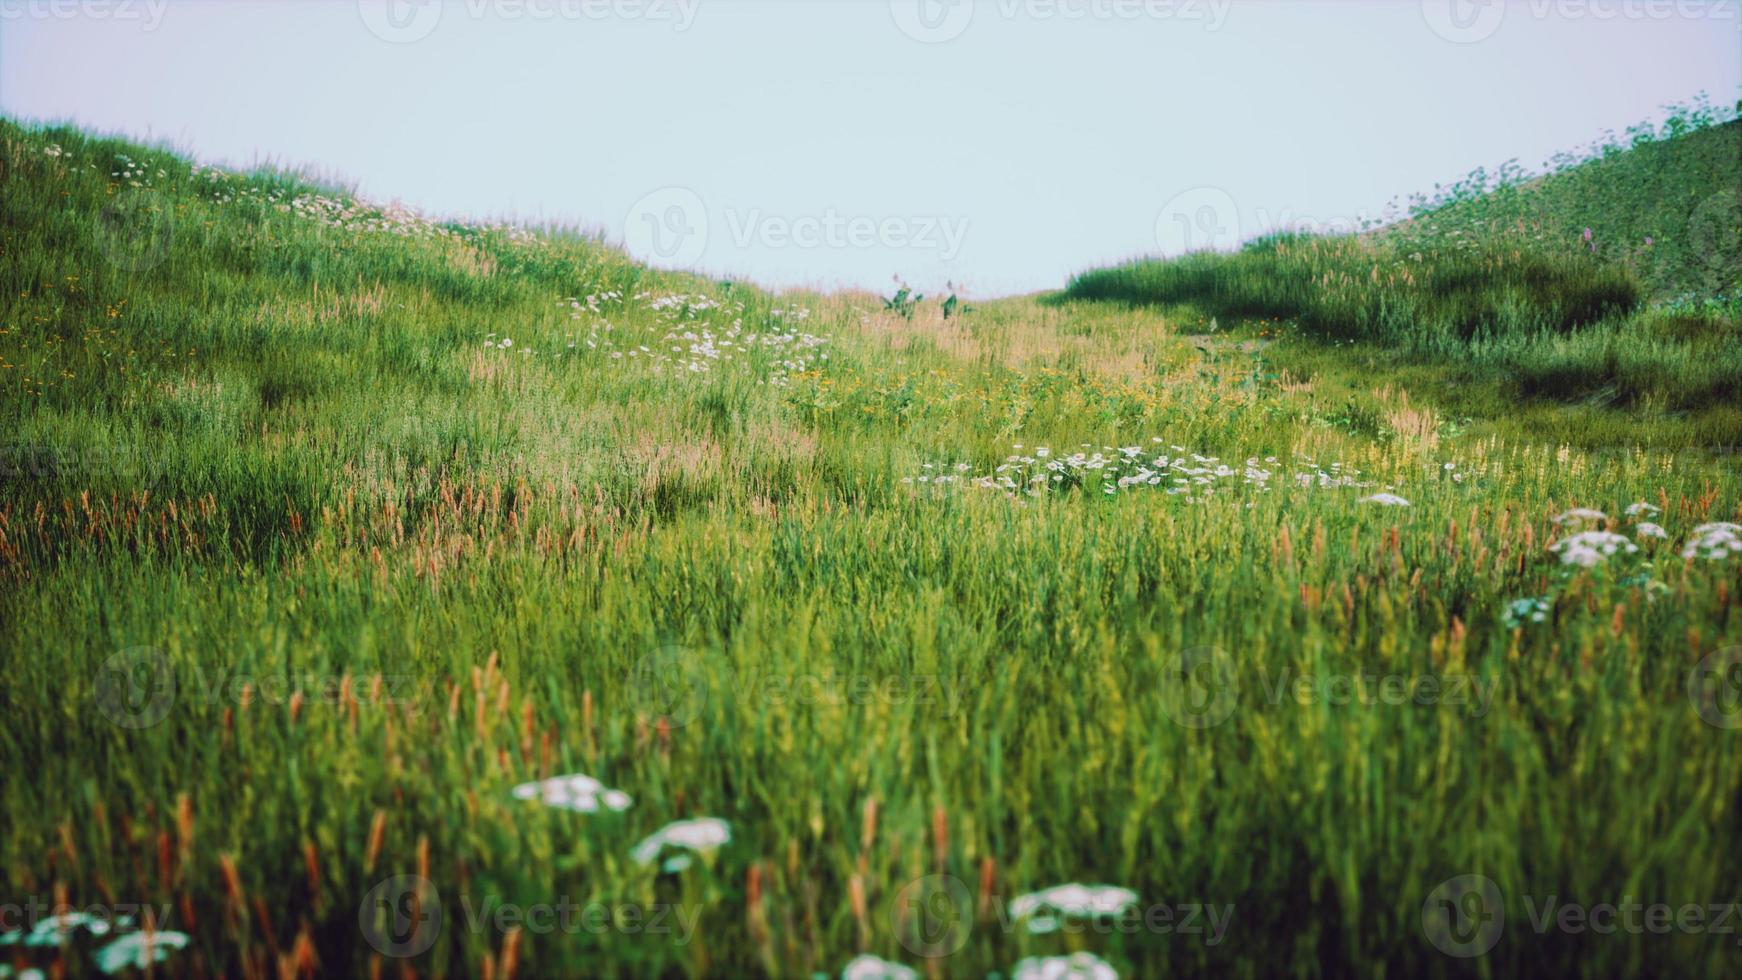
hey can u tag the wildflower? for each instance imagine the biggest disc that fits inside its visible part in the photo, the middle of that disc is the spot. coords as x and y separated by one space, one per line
1520 611
702 835
1043 909
580 793
1714 542
1641 509
139 950
868 967
1578 515
1077 966
1646 529
54 929
1588 549
1384 500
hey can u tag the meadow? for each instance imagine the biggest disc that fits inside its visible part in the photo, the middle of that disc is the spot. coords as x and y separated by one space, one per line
1300 602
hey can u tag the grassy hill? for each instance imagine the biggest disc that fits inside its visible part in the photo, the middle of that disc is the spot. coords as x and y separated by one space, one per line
327 530
1662 203
1615 281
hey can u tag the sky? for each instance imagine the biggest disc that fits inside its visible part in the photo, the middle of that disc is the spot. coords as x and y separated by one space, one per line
1000 144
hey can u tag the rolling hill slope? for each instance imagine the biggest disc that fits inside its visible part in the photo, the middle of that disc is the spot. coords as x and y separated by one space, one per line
382 597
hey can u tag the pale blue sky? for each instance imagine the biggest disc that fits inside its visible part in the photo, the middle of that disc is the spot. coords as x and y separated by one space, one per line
821 143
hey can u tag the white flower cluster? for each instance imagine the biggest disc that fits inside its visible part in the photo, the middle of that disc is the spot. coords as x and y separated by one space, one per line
1077 966
580 793
135 174
691 344
1714 542
1528 610
677 841
1588 549
130 950
350 214
1173 470
1045 910
702 835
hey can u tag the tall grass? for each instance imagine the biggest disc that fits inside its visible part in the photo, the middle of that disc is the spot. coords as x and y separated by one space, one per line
396 566
1539 282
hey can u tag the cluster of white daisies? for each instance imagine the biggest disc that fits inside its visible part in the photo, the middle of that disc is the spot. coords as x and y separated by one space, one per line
688 341
1169 469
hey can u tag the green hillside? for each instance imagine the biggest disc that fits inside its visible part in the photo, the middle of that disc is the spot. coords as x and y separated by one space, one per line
329 534
1613 281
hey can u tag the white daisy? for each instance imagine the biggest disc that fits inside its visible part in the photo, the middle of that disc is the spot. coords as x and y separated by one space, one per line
702 835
